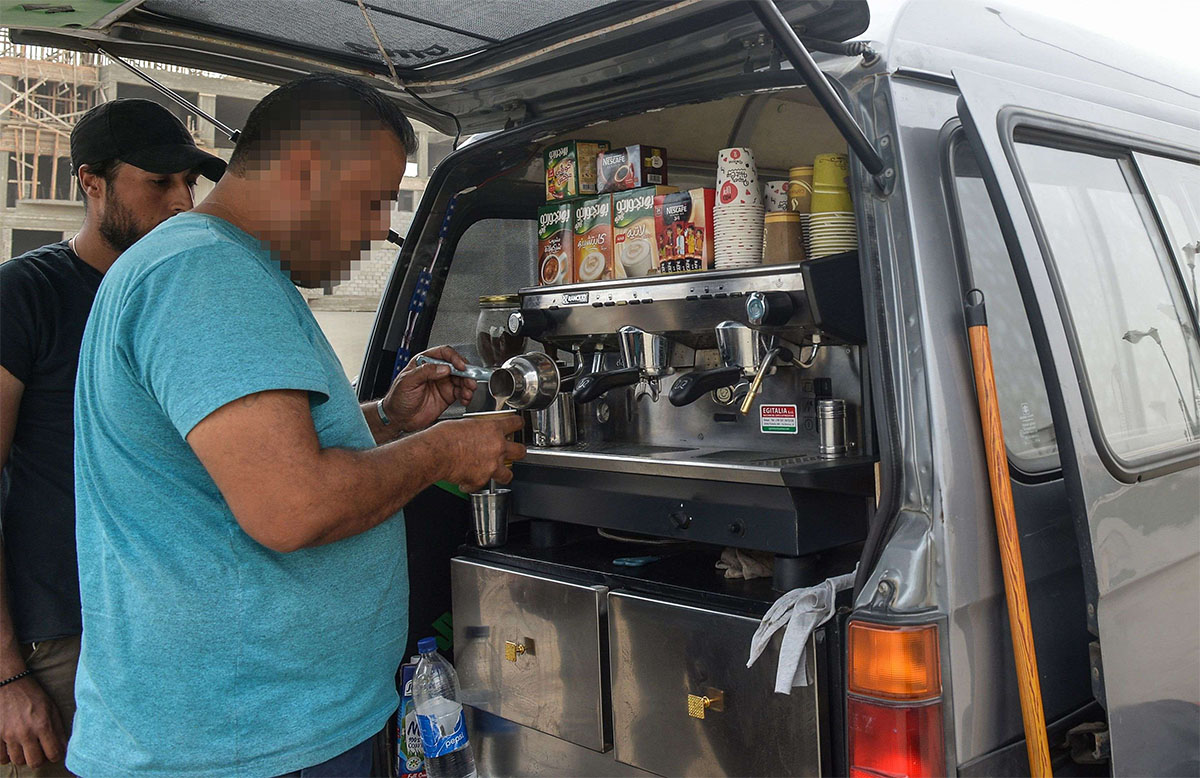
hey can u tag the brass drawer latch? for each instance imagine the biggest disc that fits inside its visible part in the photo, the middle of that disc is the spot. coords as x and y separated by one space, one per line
713 699
513 649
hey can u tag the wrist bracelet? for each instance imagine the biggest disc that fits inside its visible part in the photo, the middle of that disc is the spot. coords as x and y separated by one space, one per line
16 677
383 417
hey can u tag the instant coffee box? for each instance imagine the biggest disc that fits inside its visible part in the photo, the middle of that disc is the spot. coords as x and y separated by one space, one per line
635 244
684 226
593 229
631 167
556 243
571 168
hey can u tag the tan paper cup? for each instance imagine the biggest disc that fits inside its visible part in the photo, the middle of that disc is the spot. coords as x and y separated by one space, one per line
800 187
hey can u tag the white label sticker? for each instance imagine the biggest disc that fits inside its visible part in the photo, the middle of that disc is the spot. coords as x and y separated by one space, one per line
779 419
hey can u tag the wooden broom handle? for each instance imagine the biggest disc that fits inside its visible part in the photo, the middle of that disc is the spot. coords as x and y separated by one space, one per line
1028 680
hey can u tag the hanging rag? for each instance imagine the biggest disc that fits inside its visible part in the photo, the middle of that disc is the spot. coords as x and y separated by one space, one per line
798 612
746 564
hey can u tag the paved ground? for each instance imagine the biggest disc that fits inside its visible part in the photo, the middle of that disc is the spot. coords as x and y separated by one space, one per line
347 332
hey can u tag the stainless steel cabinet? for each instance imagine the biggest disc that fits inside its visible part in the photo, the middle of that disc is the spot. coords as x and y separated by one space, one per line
532 650
684 702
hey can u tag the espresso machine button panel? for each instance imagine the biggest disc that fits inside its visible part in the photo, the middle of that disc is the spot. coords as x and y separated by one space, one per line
676 303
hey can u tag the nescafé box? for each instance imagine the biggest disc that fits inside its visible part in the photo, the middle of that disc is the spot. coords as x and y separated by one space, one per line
556 243
593 230
635 251
684 225
631 167
571 168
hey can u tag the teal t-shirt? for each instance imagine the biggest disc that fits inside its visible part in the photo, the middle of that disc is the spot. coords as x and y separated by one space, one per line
204 652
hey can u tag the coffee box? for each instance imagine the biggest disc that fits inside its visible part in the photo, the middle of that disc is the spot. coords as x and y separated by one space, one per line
684 225
593 240
632 167
635 251
571 168
556 243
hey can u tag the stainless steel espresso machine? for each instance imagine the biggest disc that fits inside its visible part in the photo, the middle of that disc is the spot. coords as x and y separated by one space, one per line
707 411
709 389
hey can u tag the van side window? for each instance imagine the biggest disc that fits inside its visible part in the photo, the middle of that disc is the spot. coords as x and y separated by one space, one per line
1024 406
1175 189
478 269
1128 319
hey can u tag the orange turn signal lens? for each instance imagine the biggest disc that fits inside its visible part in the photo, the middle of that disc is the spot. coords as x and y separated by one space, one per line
894 662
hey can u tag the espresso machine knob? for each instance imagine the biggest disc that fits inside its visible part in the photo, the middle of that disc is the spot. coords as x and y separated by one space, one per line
769 308
528 324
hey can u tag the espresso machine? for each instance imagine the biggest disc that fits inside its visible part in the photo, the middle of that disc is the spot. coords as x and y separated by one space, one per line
697 404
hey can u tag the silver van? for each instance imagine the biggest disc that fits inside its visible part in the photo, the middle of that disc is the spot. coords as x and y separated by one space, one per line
989 149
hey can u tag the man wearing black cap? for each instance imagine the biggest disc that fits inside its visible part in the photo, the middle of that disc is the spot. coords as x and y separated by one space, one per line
136 165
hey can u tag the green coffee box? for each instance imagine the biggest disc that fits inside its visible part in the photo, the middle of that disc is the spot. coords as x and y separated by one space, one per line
571 168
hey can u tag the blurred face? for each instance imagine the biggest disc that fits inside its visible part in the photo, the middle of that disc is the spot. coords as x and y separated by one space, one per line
350 204
136 201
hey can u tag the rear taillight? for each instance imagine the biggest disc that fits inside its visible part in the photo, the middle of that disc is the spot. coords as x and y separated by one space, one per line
894 704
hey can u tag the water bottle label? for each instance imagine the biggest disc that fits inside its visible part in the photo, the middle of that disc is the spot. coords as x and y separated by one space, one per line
439 736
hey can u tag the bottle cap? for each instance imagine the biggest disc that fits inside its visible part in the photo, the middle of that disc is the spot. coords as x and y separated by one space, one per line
427 645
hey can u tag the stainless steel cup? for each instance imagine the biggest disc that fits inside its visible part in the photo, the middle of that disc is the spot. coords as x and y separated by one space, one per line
831 425
555 425
490 511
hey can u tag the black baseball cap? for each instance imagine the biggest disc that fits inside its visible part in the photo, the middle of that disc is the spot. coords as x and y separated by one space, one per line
143 134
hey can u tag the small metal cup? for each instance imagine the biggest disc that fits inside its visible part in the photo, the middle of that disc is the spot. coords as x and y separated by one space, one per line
490 511
831 426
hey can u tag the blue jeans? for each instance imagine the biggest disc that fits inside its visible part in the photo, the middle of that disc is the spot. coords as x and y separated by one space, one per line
355 763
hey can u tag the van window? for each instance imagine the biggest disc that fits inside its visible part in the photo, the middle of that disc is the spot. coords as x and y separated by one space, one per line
480 268
1024 406
1175 189
1128 318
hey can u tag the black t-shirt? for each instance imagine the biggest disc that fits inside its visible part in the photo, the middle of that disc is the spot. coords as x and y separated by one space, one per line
45 297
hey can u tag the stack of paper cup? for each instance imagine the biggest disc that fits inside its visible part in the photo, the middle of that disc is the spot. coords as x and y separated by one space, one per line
776 195
831 224
800 199
738 212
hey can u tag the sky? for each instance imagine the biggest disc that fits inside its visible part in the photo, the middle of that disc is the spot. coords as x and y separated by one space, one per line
1168 27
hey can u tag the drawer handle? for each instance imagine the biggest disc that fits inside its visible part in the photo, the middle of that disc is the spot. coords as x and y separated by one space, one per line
512 649
713 699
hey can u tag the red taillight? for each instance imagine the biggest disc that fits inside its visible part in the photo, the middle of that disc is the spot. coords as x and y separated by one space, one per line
893 741
894 709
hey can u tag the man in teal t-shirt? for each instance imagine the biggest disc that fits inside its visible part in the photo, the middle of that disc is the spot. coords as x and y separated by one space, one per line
241 547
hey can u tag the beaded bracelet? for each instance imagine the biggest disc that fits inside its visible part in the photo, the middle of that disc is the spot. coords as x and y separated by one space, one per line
16 677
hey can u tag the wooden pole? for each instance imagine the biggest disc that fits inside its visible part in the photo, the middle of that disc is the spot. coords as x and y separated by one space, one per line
1019 621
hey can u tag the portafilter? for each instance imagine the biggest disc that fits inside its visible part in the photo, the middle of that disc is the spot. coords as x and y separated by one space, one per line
741 349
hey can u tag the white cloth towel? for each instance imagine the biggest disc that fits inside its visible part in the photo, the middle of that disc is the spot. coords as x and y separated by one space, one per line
799 612
745 564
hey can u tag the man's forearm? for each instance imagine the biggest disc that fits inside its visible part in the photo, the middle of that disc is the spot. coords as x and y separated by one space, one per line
383 433
358 490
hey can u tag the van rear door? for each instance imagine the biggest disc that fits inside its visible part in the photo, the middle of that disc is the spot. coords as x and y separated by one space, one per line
1110 297
464 67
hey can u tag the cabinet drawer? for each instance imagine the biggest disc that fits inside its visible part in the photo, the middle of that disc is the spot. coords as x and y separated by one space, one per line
663 652
532 649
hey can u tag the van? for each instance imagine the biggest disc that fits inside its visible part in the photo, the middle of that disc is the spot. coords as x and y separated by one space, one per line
989 150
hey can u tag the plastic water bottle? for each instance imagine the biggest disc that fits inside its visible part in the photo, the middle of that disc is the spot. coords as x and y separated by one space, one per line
440 716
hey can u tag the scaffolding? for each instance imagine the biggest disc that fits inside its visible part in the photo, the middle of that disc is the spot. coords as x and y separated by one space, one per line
42 93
